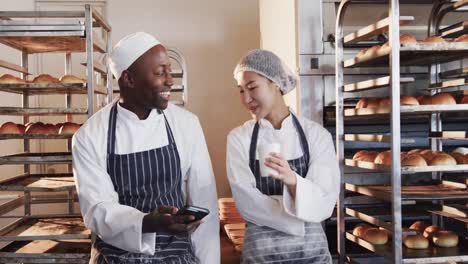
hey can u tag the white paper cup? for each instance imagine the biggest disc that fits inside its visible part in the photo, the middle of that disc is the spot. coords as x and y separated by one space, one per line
264 152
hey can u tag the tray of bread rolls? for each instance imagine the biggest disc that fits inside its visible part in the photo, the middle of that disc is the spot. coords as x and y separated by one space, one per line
38 130
39 182
46 84
431 50
445 190
422 243
37 158
425 104
413 161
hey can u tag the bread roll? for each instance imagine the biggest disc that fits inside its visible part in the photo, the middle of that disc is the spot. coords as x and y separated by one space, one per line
434 39
51 129
384 158
45 78
463 99
368 53
462 38
443 99
22 128
69 128
460 158
419 226
36 128
413 160
414 151
360 229
364 155
430 231
8 78
428 154
373 103
416 241
71 79
362 103
444 238
425 100
375 236
9 128
404 38
442 159
404 100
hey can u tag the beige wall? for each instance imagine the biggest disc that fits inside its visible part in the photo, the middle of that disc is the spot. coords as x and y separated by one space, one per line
278 34
212 35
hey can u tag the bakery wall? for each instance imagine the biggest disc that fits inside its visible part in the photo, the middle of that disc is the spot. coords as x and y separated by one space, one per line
211 34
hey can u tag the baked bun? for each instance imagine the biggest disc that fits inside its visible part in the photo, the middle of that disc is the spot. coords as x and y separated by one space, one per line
368 53
442 159
69 128
71 79
373 103
419 226
375 236
425 100
384 158
45 78
362 103
416 241
51 129
8 78
444 238
404 100
360 229
460 158
364 155
36 128
463 99
434 39
443 99
462 38
9 128
430 231
404 38
22 128
413 160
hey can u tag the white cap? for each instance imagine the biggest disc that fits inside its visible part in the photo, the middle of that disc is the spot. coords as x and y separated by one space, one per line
128 50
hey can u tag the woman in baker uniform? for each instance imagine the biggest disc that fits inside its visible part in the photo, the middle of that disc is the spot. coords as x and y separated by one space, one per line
140 159
283 211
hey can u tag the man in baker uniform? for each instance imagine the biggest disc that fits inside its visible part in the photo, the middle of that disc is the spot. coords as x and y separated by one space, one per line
138 160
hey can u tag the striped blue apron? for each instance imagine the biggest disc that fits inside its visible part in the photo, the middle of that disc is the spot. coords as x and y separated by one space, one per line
146 180
266 245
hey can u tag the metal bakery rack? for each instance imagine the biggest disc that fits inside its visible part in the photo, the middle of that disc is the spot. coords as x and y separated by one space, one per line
401 199
49 238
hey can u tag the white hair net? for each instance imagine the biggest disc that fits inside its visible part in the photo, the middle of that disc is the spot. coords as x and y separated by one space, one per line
267 64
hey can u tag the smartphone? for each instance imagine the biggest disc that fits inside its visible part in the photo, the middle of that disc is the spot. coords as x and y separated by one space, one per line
198 212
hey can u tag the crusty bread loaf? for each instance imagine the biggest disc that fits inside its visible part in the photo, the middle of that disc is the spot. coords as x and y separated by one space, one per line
462 38
416 241
443 99
368 53
10 79
384 158
413 160
375 236
433 39
443 238
442 159
430 231
404 39
71 79
360 229
419 226
45 78
9 128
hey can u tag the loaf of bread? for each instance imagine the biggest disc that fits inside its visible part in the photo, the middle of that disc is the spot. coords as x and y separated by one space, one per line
430 231
443 238
462 38
413 160
404 39
433 39
364 155
36 128
375 236
443 99
463 99
404 100
71 79
360 229
45 78
442 159
10 79
9 128
69 128
384 158
416 241
425 100
368 53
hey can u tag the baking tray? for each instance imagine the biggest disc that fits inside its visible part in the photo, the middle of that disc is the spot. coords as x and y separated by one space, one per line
39 182
41 111
406 169
37 158
50 88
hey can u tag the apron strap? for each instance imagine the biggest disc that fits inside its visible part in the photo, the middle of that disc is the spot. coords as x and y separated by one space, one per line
253 145
111 130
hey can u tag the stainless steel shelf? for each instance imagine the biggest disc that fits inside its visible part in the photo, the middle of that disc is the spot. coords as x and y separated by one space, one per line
418 109
37 158
373 84
405 170
41 111
39 183
50 88
414 54
443 191
432 254
373 30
